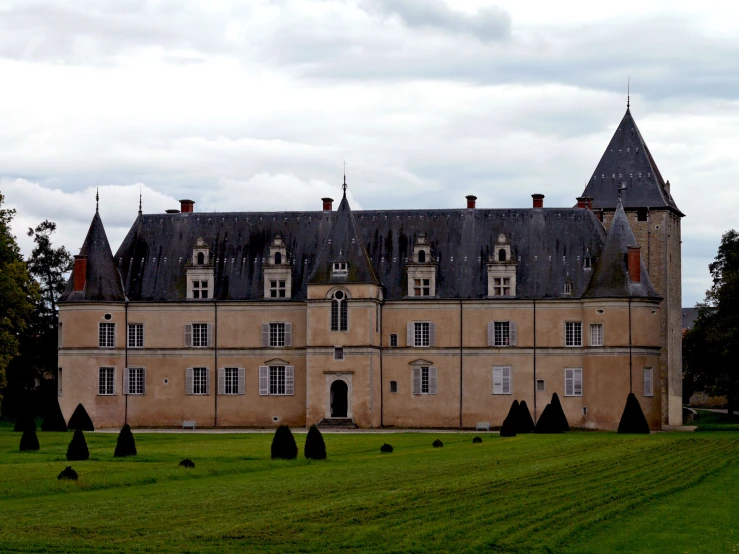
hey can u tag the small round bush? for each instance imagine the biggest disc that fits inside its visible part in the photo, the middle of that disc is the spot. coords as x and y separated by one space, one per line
80 419
438 444
283 444
188 463
476 440
68 473
29 440
77 449
315 447
125 446
386 448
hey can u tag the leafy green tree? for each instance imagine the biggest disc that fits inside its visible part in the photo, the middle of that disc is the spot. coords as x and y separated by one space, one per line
711 346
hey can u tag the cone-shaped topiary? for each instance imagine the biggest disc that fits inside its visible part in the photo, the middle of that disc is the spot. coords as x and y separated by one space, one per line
524 422
633 420
125 446
68 473
476 440
509 423
80 420
77 449
437 444
29 440
546 422
53 419
559 413
315 448
188 463
283 444
386 448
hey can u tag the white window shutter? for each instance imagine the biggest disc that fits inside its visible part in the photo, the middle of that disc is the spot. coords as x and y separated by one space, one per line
143 381
416 380
207 381
513 333
263 380
265 334
506 380
432 334
188 336
188 380
577 374
115 383
126 386
242 380
221 380
432 380
569 382
410 341
491 334
497 380
288 334
210 335
648 382
289 380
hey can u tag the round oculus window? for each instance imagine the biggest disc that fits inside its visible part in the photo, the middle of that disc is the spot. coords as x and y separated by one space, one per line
166 381
338 295
108 316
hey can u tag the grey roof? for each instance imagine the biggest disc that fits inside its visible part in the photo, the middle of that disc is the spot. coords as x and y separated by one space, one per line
549 245
689 317
102 279
611 273
344 244
627 160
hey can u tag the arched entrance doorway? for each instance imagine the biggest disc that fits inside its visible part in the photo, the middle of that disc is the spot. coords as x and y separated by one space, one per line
339 398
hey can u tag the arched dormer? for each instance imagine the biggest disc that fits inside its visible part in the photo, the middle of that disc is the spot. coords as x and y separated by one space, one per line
501 269
278 271
422 269
200 272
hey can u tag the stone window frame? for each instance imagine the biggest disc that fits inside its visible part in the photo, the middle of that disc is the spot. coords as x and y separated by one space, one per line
106 339
576 332
576 380
140 379
648 382
106 381
505 372
602 334
136 336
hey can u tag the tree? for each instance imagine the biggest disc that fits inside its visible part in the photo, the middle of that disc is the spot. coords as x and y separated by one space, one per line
77 449
80 420
125 446
711 347
632 419
49 265
315 447
509 423
283 444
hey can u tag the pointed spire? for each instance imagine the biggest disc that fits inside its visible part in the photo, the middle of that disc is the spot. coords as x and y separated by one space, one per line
344 185
97 197
628 93
139 200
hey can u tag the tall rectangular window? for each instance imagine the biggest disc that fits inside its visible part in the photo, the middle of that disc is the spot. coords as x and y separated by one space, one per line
502 333
422 287
106 381
199 335
648 381
573 382
422 335
338 353
277 334
200 380
277 379
106 335
393 340
596 334
424 380
573 333
135 335
59 336
136 378
231 385
502 380
59 388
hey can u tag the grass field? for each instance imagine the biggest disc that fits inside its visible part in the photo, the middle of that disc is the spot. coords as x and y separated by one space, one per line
578 492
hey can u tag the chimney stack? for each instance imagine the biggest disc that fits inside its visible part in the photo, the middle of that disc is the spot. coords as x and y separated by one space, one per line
582 202
328 204
538 200
471 200
187 206
80 273
634 263
589 202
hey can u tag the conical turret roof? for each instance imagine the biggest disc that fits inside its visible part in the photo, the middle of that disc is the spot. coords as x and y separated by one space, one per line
627 161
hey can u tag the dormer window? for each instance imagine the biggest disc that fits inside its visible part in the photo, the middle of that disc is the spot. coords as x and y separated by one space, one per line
421 256
421 269
277 288
200 275
200 289
201 258
421 287
502 255
278 258
341 269
568 288
501 286
277 271
501 269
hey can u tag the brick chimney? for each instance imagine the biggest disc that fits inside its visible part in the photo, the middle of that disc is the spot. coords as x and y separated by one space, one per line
538 200
471 200
582 202
589 202
80 273
328 204
187 206
634 263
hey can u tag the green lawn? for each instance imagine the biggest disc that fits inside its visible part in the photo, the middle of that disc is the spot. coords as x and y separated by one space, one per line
578 492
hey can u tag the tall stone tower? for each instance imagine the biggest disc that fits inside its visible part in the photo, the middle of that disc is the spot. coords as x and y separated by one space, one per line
628 170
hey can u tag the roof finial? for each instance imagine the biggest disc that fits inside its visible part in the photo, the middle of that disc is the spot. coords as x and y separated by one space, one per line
139 200
344 185
97 196
628 93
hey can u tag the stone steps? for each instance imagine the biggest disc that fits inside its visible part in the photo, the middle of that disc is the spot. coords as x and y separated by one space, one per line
337 423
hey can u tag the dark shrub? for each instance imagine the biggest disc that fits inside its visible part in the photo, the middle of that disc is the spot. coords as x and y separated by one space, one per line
315 448
509 423
386 448
22 422
283 444
559 413
53 419
125 446
29 440
437 444
68 473
633 420
188 463
552 419
476 440
77 449
80 420
524 422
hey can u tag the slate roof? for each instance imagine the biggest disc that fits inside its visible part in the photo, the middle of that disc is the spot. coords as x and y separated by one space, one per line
102 280
611 273
689 317
627 160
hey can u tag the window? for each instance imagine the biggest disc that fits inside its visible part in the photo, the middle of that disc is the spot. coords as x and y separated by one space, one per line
648 381
201 258
422 257
277 334
134 380
424 380
278 258
421 287
502 333
106 381
199 334
573 382
277 288
59 336
568 288
502 380
422 334
573 333
501 255
59 381
135 335
596 334
641 214
341 268
200 289
231 380
588 262
106 335
339 319
276 380
338 353
501 286
540 385
200 380
393 340
393 386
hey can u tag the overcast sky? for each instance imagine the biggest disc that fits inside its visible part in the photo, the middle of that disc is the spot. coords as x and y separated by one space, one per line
254 105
